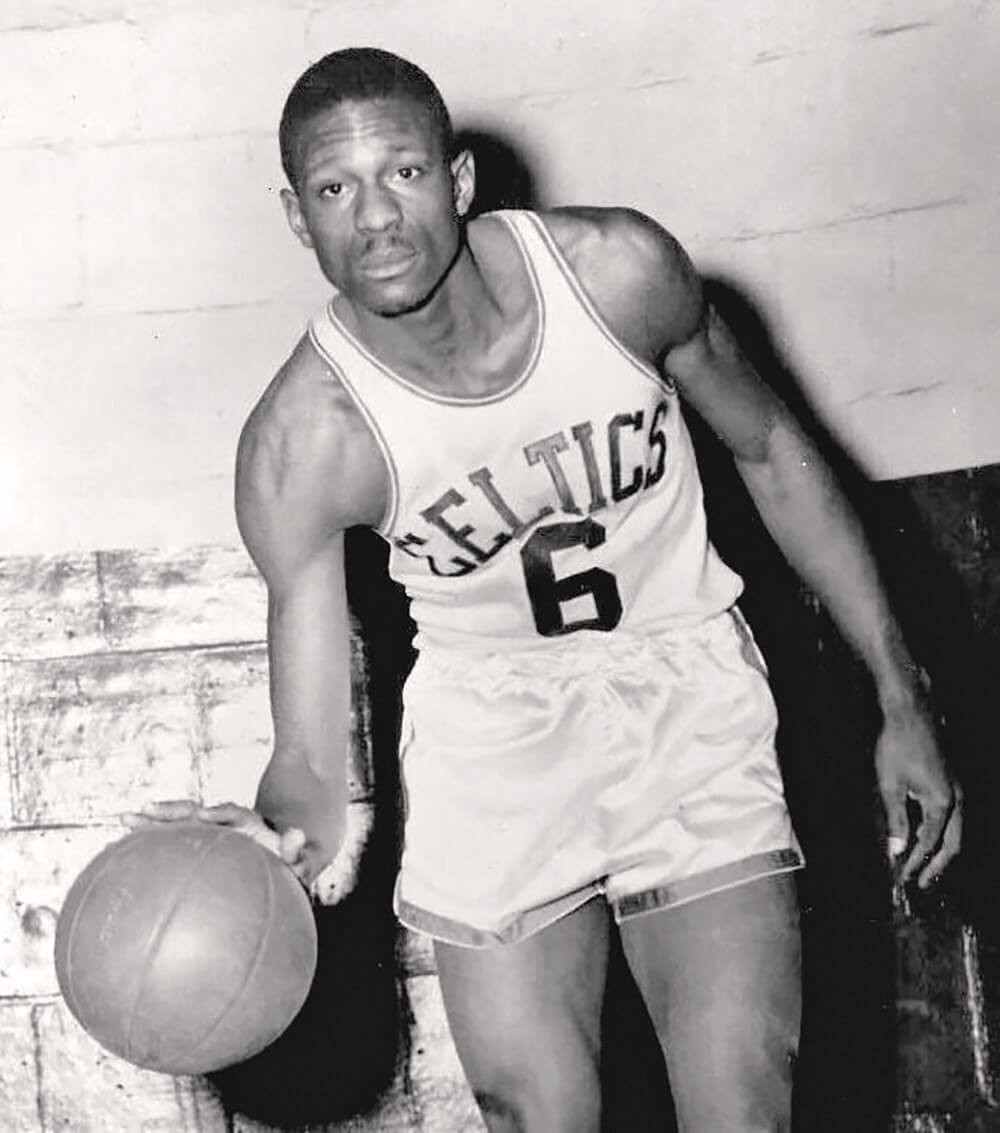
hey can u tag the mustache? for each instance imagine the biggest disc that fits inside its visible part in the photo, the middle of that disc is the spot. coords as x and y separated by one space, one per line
380 245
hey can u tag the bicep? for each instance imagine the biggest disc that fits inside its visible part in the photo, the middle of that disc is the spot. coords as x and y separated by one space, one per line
293 527
718 381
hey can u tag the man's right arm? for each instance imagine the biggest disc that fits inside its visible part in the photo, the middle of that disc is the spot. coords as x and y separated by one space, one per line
305 782
307 468
299 451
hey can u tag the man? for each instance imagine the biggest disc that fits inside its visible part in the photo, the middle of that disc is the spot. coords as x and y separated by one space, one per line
588 730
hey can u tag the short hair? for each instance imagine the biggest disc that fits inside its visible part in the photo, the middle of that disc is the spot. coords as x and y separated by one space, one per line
357 74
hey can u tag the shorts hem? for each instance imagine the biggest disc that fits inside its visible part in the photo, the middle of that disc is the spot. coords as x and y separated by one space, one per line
661 897
516 929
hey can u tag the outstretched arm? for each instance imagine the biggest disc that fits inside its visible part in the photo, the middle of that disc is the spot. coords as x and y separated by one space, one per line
301 480
301 808
810 519
306 470
646 287
305 782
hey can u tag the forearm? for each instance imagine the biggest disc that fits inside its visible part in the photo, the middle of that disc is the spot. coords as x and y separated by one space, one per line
812 522
815 527
296 793
305 782
290 794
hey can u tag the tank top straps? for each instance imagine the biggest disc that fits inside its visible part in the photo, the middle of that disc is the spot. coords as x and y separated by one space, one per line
566 502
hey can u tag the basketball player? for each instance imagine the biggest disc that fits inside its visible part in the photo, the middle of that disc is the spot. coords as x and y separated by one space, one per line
588 733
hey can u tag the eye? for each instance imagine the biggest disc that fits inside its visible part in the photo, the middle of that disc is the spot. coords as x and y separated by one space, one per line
408 172
332 189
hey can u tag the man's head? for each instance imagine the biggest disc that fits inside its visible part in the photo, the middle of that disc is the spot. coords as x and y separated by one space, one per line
377 192
358 74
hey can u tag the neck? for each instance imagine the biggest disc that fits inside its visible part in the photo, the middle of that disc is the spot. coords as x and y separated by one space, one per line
449 333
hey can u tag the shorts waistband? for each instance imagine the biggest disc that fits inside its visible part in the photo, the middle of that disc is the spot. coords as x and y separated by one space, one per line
581 652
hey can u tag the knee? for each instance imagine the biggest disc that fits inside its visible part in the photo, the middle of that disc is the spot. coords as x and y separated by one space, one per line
534 1104
742 1080
762 1084
500 1111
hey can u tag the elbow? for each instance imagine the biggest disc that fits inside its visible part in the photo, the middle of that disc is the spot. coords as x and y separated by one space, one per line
795 492
778 453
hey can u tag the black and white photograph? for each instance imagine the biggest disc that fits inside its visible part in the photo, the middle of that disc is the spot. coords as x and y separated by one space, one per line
499 566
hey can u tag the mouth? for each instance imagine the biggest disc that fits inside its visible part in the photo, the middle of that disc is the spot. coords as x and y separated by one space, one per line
385 263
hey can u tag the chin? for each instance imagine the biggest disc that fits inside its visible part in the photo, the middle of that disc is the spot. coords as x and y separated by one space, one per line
393 305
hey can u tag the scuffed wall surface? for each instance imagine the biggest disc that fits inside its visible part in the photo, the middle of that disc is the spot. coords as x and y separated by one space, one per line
836 163
129 677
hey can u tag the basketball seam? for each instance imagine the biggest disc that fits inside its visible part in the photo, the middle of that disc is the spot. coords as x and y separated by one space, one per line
251 970
157 935
69 994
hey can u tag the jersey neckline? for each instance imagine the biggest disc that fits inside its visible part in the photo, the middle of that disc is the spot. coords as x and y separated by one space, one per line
446 399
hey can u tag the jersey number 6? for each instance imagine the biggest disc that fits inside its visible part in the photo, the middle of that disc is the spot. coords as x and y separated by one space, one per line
547 593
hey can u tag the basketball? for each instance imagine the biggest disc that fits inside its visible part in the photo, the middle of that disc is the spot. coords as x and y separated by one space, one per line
185 947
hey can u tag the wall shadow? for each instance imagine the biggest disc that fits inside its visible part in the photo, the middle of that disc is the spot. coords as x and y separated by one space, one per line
343 1051
936 539
827 722
503 178
853 1061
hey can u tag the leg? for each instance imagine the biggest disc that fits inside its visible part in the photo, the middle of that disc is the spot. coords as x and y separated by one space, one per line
526 1022
721 979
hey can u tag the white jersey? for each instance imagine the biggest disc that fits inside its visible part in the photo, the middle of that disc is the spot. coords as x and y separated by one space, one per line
568 503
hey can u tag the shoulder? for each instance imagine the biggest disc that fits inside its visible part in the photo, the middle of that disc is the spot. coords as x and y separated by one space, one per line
306 465
300 402
635 272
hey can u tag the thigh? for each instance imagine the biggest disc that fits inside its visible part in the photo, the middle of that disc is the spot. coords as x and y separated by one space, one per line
526 1021
721 977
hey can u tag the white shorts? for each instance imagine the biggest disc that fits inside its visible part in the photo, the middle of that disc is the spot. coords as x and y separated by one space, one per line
639 768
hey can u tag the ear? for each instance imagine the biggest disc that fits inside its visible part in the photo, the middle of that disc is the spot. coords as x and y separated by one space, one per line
293 214
463 179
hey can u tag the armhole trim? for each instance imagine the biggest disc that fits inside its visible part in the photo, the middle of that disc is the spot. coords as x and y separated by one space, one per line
590 309
385 526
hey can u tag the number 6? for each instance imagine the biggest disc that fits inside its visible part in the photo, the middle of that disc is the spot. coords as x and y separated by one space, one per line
547 593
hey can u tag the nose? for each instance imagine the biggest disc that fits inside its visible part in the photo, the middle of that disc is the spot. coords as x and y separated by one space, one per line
376 209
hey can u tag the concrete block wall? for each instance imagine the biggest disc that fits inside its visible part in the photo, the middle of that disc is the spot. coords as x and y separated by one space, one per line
838 163
140 676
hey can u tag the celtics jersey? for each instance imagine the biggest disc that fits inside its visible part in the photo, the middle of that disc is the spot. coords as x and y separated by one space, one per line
569 503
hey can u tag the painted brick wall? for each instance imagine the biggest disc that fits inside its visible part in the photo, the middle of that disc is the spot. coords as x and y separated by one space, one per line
837 163
131 676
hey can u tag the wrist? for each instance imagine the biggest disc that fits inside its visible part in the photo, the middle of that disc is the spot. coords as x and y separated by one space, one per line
903 691
901 685
288 793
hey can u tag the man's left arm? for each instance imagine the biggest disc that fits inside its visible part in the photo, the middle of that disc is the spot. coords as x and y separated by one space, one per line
810 519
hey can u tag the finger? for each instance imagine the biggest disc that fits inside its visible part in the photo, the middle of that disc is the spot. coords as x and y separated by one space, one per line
264 836
897 824
168 810
229 814
244 821
933 815
291 844
951 844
